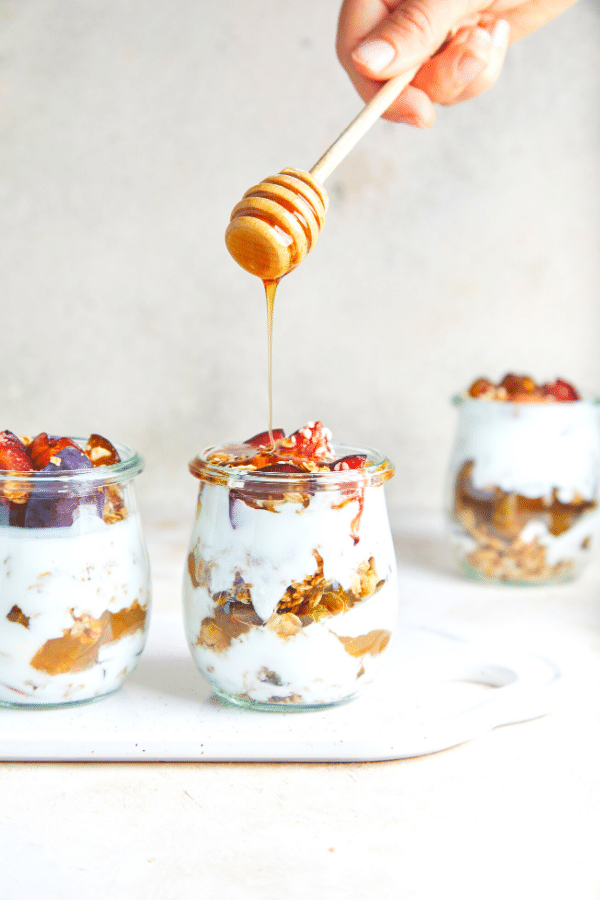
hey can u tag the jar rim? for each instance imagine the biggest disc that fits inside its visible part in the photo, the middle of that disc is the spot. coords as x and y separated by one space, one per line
462 399
377 470
130 465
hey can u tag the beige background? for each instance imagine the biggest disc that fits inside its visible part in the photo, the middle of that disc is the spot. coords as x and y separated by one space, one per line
130 129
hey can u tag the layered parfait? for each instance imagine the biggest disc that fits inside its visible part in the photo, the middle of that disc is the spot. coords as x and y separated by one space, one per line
74 573
524 480
290 592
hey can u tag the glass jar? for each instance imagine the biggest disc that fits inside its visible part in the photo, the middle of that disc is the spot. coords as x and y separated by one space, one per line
290 593
74 583
523 489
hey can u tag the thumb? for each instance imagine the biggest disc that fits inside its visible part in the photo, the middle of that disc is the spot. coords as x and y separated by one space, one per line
409 35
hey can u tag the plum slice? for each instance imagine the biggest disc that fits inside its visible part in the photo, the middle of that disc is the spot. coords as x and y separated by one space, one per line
263 439
311 442
355 461
13 494
44 446
48 510
13 454
560 390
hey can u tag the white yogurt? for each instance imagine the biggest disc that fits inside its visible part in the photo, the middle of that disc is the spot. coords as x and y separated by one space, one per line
530 448
59 579
270 550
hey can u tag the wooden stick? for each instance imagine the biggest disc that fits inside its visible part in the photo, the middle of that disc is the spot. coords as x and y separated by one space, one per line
375 108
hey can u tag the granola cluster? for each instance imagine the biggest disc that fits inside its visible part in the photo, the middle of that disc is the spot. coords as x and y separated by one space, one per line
303 603
495 519
509 560
523 389
316 597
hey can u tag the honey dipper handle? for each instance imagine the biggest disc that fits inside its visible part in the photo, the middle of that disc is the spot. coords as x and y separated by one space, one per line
382 101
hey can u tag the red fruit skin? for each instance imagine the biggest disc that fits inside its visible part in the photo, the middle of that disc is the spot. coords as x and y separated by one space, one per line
13 454
511 383
357 461
286 468
14 458
43 448
264 439
314 445
561 390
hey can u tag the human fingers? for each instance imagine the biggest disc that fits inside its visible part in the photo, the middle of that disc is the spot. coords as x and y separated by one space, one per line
471 60
380 38
467 65
526 16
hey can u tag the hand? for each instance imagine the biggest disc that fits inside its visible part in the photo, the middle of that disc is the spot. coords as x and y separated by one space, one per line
461 45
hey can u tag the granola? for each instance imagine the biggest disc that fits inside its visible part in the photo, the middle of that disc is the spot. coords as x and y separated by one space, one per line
514 559
303 603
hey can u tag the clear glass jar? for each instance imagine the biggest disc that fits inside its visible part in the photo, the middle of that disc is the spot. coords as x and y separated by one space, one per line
523 489
290 593
74 583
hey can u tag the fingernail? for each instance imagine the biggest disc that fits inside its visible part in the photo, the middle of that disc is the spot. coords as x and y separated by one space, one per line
500 33
374 55
477 36
468 67
414 120
481 37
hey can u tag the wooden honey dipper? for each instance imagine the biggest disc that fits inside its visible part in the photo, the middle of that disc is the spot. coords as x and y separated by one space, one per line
278 221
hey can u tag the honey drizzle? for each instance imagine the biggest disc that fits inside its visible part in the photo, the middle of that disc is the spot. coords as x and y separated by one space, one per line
270 291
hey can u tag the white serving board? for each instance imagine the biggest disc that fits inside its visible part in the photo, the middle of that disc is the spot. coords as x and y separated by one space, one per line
438 691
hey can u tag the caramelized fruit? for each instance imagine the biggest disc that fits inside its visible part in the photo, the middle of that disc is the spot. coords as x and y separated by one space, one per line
43 447
39 505
13 454
523 389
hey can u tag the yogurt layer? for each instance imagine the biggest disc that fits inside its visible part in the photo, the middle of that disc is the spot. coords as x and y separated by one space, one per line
531 449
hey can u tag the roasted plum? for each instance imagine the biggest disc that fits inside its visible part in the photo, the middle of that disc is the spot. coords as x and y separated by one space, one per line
356 461
13 494
561 391
44 446
311 443
523 389
263 439
49 510
305 453
13 454
36 503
